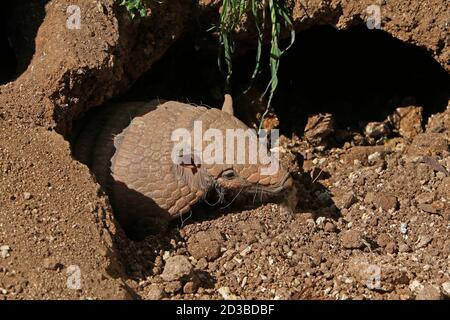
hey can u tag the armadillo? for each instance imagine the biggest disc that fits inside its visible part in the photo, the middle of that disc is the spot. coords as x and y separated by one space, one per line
129 150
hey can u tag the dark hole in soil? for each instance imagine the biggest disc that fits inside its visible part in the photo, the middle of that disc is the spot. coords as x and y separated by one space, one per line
8 62
19 23
358 75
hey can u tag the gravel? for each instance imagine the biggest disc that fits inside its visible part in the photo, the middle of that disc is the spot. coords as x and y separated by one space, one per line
429 292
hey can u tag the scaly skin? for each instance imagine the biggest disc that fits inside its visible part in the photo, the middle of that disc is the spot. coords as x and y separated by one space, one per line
129 151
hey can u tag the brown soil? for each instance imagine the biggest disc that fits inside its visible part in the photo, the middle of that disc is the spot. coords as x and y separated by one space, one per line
364 205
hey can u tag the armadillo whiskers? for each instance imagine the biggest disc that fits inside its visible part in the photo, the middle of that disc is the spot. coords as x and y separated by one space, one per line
184 220
220 193
256 193
232 199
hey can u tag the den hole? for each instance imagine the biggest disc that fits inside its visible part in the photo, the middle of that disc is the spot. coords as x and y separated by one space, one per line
358 75
19 23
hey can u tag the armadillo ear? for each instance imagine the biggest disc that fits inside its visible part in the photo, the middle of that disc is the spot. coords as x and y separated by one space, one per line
190 171
228 104
188 159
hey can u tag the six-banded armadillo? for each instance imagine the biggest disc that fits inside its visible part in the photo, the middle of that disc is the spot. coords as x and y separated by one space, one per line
129 149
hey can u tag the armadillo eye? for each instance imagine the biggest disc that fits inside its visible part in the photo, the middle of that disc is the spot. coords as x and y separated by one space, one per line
229 174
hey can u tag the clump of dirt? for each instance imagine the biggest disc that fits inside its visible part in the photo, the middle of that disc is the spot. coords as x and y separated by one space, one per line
373 214
58 238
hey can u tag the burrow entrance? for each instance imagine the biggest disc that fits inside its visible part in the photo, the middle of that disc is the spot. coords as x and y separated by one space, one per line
19 23
358 75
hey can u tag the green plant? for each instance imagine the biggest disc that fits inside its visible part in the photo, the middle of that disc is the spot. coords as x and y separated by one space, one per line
231 16
133 7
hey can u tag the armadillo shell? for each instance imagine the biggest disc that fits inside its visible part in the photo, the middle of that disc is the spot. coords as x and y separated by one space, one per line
129 151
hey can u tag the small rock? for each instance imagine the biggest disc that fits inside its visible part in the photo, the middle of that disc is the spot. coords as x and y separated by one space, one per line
382 200
283 294
374 157
382 277
173 287
352 240
27 195
428 144
440 122
426 197
415 286
177 268
429 292
52 264
446 289
408 121
391 247
362 153
319 128
435 208
154 292
329 227
203 245
246 251
444 187
383 240
226 293
377 130
404 248
423 241
202 264
320 221
348 200
190 287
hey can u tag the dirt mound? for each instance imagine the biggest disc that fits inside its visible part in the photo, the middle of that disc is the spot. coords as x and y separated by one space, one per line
370 223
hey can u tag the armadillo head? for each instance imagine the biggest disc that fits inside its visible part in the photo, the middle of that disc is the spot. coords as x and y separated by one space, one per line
155 174
230 158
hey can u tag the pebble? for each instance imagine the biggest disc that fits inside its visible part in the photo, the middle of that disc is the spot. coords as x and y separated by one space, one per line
374 157
382 200
205 248
348 200
352 240
154 292
446 289
173 287
425 198
429 292
329 227
404 248
52 263
415 286
423 241
190 287
177 268
27 195
391 247
226 293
